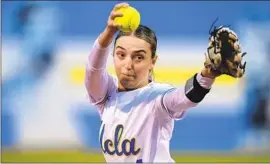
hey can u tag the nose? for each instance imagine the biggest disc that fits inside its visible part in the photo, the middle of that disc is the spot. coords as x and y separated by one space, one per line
128 63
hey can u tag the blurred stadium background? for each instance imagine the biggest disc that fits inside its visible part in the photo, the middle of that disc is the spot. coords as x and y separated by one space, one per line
45 114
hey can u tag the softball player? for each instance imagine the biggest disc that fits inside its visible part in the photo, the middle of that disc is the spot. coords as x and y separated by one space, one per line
137 113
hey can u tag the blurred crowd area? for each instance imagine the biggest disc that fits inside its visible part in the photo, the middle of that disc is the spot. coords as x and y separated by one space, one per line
44 52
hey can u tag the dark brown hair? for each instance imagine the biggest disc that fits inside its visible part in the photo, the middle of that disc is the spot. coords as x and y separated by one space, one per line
144 33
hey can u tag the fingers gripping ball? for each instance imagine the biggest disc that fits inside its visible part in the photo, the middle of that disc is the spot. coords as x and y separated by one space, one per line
130 19
224 55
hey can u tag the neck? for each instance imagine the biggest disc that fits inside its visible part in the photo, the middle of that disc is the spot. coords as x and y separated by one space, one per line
122 88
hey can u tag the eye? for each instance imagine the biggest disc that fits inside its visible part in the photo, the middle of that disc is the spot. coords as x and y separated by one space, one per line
121 55
139 57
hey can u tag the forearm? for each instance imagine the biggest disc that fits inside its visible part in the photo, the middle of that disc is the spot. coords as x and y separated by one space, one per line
106 37
96 76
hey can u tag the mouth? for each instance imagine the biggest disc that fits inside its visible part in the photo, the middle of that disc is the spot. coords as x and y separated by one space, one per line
128 77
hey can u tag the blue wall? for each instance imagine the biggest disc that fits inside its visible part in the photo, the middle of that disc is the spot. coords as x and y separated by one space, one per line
191 19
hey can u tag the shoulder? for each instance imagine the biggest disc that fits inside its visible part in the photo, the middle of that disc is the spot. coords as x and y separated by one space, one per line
114 80
158 89
113 84
161 87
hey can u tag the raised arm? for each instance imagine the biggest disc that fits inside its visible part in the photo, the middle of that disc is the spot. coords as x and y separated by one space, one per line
97 79
222 58
96 76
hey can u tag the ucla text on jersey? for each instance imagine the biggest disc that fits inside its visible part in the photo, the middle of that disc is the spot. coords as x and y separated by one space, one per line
117 146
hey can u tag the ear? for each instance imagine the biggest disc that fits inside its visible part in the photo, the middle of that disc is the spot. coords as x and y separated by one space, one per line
154 62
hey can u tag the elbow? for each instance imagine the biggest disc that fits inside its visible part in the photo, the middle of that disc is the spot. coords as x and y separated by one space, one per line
87 85
185 104
87 79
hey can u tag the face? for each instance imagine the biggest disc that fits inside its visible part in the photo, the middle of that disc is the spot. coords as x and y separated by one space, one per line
133 62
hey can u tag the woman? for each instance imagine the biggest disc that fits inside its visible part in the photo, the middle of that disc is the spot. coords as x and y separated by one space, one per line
137 113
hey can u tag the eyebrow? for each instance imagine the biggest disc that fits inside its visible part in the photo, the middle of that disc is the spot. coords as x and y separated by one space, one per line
138 51
120 47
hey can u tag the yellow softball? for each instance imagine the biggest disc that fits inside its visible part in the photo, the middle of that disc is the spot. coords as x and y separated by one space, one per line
130 20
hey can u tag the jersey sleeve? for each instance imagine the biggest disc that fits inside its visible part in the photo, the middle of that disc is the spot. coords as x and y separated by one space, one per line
174 102
97 80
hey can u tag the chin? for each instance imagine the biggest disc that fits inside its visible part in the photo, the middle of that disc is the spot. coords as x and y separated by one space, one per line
128 85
